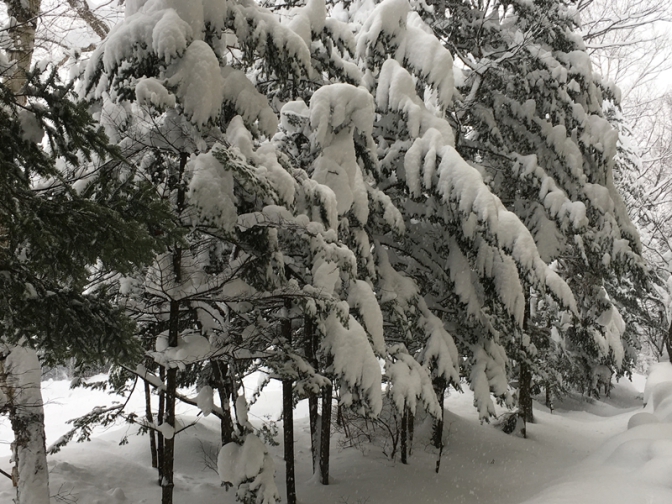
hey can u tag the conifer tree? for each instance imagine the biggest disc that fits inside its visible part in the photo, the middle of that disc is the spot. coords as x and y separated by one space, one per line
72 213
530 113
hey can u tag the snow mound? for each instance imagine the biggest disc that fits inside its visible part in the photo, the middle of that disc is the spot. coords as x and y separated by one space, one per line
634 466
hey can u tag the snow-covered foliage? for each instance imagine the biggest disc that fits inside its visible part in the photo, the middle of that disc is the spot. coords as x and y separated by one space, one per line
250 469
352 190
530 111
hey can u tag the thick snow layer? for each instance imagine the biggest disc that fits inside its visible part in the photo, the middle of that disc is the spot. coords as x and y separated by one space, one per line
354 363
480 464
249 465
393 22
634 466
211 191
191 347
362 299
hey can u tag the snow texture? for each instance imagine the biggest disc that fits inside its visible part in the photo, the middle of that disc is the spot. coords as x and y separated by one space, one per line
250 469
354 363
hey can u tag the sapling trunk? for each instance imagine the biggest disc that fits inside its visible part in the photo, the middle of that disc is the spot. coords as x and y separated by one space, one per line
288 416
325 434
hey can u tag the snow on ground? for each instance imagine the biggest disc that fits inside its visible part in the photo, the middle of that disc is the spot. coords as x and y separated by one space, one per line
582 452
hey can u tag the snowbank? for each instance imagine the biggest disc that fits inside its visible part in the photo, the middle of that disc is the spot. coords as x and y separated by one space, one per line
632 467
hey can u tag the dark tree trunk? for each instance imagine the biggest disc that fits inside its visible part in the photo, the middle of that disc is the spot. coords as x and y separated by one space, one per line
160 416
525 375
311 357
220 371
167 483
150 419
167 466
410 425
288 417
525 392
437 432
668 343
325 434
288 431
404 436
549 396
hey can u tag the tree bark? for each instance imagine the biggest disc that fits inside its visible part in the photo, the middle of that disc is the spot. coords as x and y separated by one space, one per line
20 377
288 416
404 436
325 434
167 466
167 482
549 396
525 392
437 433
150 419
668 343
311 357
95 23
220 373
26 13
525 374
411 429
161 415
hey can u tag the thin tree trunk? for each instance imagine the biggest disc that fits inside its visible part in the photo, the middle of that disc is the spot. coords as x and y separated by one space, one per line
411 429
161 414
437 434
224 389
525 392
311 357
525 376
167 482
150 419
549 396
94 22
668 343
325 434
288 416
404 436
20 377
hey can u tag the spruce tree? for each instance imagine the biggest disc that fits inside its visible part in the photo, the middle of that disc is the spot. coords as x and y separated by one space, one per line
530 113
73 214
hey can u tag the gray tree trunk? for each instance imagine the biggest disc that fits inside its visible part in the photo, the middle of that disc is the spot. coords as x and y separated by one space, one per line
22 34
21 398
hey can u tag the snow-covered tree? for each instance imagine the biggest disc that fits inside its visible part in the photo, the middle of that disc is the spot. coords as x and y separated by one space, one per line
530 114
170 86
70 216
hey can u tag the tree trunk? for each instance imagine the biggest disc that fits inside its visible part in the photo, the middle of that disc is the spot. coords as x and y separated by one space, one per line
525 376
167 483
668 343
288 416
411 428
220 373
404 436
437 434
311 357
26 13
549 396
20 377
325 434
525 392
150 419
161 415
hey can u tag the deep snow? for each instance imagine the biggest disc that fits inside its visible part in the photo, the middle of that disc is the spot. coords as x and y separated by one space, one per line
561 458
